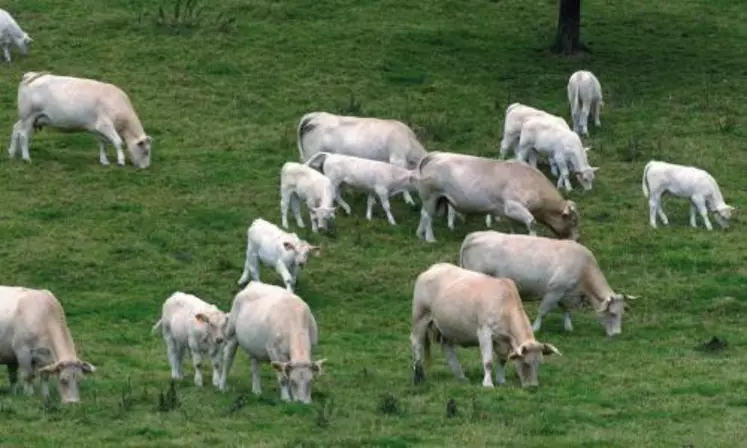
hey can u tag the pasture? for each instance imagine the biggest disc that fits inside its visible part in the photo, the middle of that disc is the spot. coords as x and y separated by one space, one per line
222 100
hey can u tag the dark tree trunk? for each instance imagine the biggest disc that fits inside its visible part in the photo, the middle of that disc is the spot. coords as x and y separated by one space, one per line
568 37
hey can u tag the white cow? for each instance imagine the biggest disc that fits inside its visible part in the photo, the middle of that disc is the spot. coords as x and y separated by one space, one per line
516 115
685 182
301 183
188 322
34 337
79 104
11 33
505 188
585 97
284 251
561 145
465 308
371 176
371 138
272 324
559 271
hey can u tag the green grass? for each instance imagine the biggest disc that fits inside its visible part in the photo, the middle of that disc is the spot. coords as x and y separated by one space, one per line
222 100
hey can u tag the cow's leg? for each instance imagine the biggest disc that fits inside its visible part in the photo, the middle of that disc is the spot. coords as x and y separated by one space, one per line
256 377
282 270
567 324
485 337
215 363
13 377
507 143
295 205
500 370
251 265
597 111
26 365
549 301
700 204
102 152
451 359
285 199
196 362
25 130
418 337
229 353
15 138
106 129
338 198
654 205
384 199
517 211
584 119
176 354
370 201
6 52
425 228
284 387
312 217
488 220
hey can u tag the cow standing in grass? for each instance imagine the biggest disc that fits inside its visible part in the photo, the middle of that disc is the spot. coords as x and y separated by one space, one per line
585 98
11 33
79 104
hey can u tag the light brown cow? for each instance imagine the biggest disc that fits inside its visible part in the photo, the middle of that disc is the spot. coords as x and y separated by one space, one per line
467 309
512 189
35 338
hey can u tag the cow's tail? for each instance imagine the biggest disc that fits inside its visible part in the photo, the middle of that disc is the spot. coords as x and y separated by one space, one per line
305 125
157 327
424 161
644 181
574 96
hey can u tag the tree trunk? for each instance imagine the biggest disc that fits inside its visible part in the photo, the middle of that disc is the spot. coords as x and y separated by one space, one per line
568 37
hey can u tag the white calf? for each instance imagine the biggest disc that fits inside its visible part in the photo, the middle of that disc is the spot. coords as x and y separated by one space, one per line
11 33
301 183
189 322
284 251
685 182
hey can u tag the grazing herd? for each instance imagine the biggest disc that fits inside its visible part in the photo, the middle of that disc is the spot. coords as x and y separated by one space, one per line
478 303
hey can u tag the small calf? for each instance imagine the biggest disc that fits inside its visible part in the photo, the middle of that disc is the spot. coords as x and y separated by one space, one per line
685 182
516 115
286 252
189 322
371 176
299 182
468 309
585 98
11 33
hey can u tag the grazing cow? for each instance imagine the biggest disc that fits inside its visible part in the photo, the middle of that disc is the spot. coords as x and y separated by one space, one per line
685 182
372 176
561 145
465 308
301 183
189 322
11 33
516 115
585 97
284 251
79 104
370 138
272 324
480 185
34 337
559 271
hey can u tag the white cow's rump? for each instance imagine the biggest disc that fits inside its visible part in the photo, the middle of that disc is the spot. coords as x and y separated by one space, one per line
685 182
585 98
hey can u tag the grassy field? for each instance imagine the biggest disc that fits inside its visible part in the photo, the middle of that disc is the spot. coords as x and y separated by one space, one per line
222 101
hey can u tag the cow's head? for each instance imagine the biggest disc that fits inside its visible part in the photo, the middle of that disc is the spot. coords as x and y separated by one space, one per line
69 372
568 225
297 251
140 151
586 177
725 211
325 217
610 312
298 376
213 324
528 357
23 43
